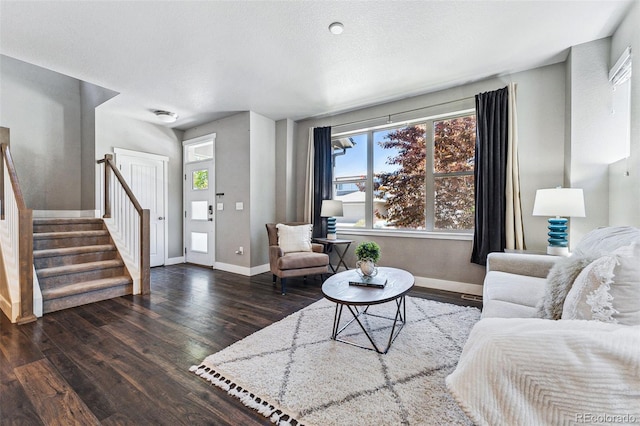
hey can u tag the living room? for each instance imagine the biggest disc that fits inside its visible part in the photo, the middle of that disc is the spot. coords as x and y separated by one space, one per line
59 115
558 87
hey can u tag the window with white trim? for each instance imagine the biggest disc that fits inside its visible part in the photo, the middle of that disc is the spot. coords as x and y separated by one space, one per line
416 176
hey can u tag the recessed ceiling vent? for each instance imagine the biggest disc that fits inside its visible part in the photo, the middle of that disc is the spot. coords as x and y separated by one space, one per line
166 116
336 28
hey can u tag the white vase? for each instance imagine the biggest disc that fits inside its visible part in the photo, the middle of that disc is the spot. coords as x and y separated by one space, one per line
366 268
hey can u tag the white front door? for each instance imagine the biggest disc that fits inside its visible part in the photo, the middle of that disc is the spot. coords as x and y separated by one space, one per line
145 175
199 201
199 213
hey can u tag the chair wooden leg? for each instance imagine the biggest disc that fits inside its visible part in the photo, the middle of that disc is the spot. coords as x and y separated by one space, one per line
283 286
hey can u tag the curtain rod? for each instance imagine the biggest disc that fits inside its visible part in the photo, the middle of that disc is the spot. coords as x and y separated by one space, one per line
401 112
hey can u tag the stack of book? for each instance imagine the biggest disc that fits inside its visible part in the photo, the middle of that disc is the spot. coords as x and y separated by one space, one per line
377 282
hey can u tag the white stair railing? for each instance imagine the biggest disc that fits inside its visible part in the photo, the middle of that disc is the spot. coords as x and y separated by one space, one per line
128 224
16 238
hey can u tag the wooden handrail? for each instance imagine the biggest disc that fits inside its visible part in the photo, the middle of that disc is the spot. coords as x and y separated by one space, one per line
13 177
25 235
108 159
145 276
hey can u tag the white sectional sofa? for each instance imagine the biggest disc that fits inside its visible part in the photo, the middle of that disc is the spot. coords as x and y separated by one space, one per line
518 368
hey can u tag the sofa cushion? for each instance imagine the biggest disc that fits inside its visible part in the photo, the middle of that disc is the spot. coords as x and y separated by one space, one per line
294 238
502 309
512 288
299 260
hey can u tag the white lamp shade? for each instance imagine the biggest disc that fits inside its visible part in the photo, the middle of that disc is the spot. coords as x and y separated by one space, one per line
567 202
331 208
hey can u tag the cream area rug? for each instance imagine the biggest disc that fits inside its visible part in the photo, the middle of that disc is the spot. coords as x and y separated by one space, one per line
295 374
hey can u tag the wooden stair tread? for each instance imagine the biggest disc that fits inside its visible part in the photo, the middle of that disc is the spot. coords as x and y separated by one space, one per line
84 287
64 220
68 251
69 234
79 268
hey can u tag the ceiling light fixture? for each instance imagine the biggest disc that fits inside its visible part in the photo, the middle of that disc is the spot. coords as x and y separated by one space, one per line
336 28
166 116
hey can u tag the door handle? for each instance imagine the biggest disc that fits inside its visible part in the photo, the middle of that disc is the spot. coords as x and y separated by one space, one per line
161 218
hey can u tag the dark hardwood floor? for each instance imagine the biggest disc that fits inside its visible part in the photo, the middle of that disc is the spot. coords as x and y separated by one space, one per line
126 360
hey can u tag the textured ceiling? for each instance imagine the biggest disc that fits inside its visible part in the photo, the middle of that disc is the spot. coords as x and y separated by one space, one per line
207 59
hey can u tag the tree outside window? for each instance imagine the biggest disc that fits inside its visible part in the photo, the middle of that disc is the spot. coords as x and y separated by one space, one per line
201 179
421 176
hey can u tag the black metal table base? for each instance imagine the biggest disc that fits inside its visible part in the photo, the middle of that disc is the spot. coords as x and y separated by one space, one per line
398 323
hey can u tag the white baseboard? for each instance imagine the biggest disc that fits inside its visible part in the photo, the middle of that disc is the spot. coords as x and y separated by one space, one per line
455 286
242 270
11 311
65 213
173 260
260 269
38 303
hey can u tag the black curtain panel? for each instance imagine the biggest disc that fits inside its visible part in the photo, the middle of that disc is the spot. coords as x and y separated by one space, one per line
322 177
490 173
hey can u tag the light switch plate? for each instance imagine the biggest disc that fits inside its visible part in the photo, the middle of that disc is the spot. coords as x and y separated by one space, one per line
239 205
220 206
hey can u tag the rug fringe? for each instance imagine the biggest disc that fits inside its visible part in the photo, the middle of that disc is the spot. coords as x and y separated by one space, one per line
248 399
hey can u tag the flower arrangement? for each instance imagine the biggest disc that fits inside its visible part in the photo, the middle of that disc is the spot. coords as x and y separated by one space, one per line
368 250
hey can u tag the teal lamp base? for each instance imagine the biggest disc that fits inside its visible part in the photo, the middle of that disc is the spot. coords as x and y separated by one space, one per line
558 243
331 228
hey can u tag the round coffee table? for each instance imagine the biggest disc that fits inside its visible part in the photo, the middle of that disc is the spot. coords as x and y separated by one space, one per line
338 289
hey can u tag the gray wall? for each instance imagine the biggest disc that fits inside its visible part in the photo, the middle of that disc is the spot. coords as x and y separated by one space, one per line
232 178
624 196
52 121
262 187
245 172
541 117
590 123
91 96
117 131
285 171
43 110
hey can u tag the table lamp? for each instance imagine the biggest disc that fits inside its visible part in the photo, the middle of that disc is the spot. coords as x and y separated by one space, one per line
558 202
330 209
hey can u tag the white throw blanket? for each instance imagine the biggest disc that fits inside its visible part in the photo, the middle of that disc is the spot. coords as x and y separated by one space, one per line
542 372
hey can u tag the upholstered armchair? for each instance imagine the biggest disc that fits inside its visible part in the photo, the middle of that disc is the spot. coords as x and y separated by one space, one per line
292 254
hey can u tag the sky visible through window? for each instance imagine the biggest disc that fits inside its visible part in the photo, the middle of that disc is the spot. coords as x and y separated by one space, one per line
354 162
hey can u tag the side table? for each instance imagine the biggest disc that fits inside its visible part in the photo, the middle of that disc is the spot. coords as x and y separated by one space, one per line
329 246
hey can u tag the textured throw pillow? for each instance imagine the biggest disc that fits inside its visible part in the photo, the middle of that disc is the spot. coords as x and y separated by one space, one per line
559 281
608 290
602 241
294 238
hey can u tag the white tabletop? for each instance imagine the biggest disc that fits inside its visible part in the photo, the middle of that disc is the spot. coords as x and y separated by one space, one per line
337 289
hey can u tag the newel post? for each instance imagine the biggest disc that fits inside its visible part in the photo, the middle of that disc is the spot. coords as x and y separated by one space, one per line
25 256
145 253
107 186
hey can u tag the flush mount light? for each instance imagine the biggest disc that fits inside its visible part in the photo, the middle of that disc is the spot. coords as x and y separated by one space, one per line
336 28
166 116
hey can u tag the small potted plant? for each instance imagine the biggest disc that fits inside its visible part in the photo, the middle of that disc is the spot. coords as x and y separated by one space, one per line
368 254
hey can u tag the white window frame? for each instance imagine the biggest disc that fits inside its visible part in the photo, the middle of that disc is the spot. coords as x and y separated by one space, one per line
429 232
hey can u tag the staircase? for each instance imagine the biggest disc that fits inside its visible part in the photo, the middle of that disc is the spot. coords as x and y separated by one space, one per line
77 263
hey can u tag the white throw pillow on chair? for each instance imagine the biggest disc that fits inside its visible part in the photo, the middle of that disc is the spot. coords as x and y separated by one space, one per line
294 238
